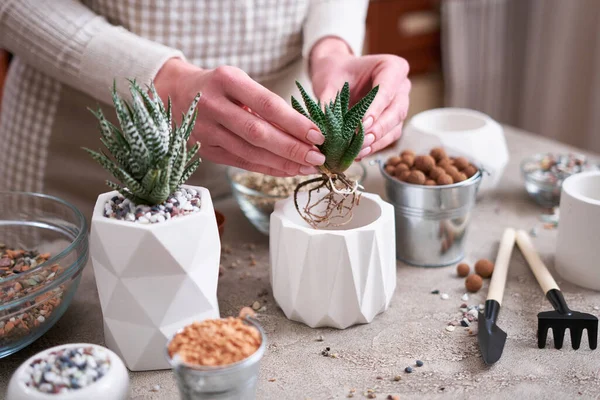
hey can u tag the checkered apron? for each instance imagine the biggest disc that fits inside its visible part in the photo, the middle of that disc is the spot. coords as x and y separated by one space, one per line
44 123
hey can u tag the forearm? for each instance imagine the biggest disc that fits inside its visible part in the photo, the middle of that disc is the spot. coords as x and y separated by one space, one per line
69 42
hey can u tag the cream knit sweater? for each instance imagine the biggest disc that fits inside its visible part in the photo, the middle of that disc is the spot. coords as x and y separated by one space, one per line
68 52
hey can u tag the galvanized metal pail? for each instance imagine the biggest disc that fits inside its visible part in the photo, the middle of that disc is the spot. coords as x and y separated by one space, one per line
229 382
431 221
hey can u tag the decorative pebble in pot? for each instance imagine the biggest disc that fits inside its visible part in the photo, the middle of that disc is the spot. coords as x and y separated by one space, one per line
77 371
332 247
155 244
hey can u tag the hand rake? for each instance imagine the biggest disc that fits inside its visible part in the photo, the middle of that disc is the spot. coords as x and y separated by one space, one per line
563 318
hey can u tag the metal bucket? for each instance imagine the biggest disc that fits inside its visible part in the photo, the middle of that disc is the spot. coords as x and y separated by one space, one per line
229 382
431 221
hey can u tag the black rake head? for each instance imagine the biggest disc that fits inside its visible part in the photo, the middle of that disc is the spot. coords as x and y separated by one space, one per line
564 318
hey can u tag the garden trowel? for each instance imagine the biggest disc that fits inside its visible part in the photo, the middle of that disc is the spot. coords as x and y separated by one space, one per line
490 337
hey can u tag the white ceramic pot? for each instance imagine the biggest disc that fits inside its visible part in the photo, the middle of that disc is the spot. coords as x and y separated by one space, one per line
462 132
153 279
114 385
334 277
579 229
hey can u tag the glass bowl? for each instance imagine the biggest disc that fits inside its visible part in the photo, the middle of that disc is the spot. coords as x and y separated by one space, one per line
543 182
257 193
44 248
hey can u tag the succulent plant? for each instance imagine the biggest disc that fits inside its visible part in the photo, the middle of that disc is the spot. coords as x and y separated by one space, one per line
340 124
151 160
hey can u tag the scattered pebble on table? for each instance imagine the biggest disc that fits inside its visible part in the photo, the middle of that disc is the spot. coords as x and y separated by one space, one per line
419 363
465 297
435 291
408 370
450 328
444 296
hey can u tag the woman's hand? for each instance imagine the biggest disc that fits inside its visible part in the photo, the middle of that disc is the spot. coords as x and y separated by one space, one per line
230 134
332 64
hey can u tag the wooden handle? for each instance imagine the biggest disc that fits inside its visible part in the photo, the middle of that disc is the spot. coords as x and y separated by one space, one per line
536 264
496 290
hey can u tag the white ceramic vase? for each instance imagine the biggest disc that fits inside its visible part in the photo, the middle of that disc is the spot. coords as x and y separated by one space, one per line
153 279
578 230
334 277
462 132
114 385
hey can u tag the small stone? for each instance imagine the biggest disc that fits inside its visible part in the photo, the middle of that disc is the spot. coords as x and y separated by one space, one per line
464 322
393 397
371 396
481 307
435 291
143 220
379 378
397 378
320 338
262 309
408 370
465 297
444 296
596 308
41 319
130 217
474 313
419 363
155 388
450 328
334 355
255 305
272 380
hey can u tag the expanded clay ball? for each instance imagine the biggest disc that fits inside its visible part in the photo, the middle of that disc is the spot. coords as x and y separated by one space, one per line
461 163
408 159
445 179
444 162
407 152
404 175
473 283
470 171
424 163
463 269
459 177
436 172
400 167
438 153
416 177
484 268
390 169
430 182
450 169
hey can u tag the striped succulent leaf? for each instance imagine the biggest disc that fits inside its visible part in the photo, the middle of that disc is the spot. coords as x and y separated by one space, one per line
340 124
151 160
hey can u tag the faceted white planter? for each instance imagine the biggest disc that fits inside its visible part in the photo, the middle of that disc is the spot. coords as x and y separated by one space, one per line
153 279
337 277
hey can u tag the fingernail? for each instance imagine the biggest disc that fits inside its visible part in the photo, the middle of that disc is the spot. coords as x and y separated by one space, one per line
315 136
369 139
368 122
364 152
304 170
315 158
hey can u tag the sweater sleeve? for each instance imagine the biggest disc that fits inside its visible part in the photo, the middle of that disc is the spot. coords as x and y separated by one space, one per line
344 19
69 42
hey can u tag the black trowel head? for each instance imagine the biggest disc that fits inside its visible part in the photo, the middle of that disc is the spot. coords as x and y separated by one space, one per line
490 337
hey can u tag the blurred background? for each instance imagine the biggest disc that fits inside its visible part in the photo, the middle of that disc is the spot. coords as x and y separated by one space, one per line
532 64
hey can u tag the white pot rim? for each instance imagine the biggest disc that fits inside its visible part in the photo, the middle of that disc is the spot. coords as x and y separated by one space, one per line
421 120
116 367
98 214
571 186
287 222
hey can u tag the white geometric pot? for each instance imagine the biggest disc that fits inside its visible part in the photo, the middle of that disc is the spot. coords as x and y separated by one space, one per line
153 279
335 277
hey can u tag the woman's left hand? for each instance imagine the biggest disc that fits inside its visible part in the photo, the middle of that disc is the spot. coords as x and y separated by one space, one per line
332 64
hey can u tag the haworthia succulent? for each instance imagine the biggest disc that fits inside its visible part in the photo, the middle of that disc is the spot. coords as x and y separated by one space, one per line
341 125
151 158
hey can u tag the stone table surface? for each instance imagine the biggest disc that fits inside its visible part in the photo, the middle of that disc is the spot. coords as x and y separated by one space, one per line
369 356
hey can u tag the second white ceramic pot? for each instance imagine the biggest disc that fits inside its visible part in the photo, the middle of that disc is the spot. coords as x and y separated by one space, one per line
153 279
577 250
462 132
334 277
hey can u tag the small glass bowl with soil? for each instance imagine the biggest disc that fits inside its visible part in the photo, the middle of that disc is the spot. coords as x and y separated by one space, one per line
43 250
257 193
218 358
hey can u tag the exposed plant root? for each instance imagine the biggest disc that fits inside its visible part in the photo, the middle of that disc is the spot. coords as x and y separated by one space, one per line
342 195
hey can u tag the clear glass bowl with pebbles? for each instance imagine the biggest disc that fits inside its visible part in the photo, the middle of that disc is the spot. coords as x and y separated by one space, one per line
43 250
544 174
71 372
257 193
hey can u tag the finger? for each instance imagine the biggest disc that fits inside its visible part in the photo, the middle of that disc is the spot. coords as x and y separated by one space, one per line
388 139
220 155
272 108
390 118
256 155
391 76
260 133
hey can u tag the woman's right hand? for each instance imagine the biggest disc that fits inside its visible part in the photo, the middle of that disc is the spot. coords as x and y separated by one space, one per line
273 138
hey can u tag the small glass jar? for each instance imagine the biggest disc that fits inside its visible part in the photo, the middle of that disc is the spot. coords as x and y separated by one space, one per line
235 381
